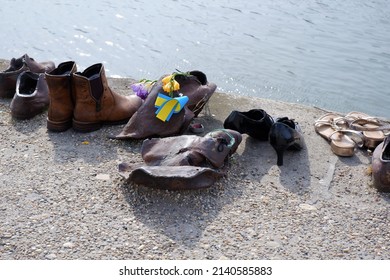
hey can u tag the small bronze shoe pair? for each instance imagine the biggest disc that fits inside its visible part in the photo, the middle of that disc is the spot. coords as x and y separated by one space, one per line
17 66
381 166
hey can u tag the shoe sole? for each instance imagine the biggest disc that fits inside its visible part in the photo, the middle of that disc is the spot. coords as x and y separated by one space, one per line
93 126
58 126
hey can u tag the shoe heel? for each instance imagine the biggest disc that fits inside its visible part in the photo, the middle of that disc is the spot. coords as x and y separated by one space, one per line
58 126
283 137
86 126
279 153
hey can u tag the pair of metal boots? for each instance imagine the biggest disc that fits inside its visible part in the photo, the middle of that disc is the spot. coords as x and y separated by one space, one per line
84 101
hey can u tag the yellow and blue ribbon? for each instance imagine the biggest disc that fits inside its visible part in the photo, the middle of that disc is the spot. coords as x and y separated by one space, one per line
167 106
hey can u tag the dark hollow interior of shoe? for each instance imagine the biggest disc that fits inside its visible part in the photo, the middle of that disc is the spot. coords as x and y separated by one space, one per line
27 84
287 122
92 72
63 69
256 115
386 153
200 76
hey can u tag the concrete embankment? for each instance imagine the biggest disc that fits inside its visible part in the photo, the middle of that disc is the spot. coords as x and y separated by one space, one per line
62 197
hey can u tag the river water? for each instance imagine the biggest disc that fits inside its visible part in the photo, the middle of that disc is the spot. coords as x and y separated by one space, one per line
328 53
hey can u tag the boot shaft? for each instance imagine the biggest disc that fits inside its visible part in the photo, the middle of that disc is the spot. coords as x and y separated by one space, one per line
60 80
61 96
89 89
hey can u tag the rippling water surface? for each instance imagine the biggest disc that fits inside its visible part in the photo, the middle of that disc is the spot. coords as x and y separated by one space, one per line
328 53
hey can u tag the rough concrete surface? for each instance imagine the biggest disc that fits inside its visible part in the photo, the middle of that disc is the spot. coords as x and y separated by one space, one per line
63 198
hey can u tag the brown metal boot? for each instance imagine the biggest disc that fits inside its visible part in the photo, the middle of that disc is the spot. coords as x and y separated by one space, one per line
96 104
59 81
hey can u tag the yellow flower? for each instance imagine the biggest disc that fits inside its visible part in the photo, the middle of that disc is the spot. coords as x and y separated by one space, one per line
176 85
167 88
171 86
166 80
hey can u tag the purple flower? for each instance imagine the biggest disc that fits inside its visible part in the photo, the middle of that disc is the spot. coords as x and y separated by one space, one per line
140 89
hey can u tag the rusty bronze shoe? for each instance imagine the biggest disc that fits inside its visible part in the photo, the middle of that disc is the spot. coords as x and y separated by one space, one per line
183 162
381 166
210 150
144 123
9 76
199 90
31 97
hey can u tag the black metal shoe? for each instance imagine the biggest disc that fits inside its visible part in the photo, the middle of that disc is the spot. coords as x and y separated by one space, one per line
285 134
256 123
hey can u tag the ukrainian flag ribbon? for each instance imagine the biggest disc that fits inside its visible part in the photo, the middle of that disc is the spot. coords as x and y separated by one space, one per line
167 106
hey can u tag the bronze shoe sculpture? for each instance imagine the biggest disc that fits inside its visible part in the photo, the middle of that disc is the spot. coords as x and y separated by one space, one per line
285 134
31 97
96 104
59 81
197 88
191 149
256 123
144 123
9 76
173 177
381 166
183 162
